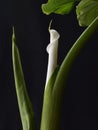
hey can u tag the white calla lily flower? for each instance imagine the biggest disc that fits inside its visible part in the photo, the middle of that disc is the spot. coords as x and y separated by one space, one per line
52 50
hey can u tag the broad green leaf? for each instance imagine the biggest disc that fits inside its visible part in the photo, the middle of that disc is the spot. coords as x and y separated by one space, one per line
87 11
58 6
25 106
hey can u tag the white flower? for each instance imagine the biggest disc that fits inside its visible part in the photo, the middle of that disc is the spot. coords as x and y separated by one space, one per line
52 50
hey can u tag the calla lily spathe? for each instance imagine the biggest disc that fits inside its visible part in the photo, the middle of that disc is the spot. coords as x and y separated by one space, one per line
52 50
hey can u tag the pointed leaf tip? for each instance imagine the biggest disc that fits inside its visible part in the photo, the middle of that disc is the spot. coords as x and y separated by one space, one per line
24 103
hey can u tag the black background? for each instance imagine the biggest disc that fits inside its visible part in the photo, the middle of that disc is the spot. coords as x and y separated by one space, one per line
80 105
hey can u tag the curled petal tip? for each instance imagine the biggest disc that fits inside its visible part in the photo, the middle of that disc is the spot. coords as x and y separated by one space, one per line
52 50
54 35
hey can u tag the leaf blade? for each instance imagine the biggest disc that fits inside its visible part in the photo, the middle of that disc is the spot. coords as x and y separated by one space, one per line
25 106
87 11
58 6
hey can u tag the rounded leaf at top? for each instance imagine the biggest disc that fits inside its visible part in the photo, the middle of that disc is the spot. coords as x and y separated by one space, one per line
87 11
58 6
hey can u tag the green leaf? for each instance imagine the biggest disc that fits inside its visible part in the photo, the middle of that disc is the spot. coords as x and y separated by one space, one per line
58 6
87 11
25 106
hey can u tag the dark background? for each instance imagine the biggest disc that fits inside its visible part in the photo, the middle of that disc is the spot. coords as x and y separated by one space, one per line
80 105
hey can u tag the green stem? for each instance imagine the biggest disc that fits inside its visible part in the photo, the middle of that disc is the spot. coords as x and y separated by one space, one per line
53 101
